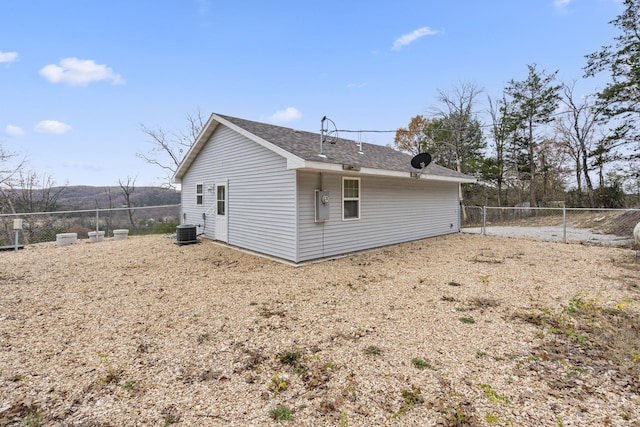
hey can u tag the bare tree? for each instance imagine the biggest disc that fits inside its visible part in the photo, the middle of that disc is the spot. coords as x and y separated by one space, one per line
462 140
108 217
496 166
7 172
552 158
579 129
26 192
170 147
127 189
33 193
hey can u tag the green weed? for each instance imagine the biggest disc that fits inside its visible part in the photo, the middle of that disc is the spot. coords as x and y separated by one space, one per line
420 363
456 416
281 413
577 338
278 384
373 350
575 371
289 357
129 385
33 417
494 419
344 419
492 395
171 419
411 398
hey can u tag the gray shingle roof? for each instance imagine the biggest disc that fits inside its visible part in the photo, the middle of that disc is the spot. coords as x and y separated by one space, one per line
306 145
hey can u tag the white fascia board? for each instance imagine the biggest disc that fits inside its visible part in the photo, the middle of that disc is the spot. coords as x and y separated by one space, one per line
334 167
337 167
448 179
191 155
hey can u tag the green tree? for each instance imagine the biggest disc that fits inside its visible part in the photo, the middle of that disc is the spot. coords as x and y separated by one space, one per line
621 97
533 102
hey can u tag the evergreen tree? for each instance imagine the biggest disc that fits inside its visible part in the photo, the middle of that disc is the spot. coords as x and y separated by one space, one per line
533 102
621 97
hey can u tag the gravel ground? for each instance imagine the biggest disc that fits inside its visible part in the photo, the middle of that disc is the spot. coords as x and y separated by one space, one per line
456 330
554 234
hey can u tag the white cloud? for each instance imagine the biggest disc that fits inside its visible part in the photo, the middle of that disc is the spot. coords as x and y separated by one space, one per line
8 56
286 115
407 39
13 130
52 126
561 4
79 72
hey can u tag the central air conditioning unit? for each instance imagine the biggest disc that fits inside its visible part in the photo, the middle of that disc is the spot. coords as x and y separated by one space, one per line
186 234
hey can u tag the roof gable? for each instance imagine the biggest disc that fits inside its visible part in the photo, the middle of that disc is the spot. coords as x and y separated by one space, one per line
302 151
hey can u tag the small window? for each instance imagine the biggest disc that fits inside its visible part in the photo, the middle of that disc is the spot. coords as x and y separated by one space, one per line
221 193
350 198
199 194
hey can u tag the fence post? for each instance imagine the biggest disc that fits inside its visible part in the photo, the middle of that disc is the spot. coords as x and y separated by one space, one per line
564 223
484 220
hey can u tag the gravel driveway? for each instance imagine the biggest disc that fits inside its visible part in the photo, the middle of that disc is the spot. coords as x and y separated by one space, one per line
554 234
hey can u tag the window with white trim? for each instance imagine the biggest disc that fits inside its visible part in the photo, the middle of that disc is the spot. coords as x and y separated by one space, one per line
199 193
350 198
221 199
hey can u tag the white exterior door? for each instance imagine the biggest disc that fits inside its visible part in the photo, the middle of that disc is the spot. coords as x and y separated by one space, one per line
222 218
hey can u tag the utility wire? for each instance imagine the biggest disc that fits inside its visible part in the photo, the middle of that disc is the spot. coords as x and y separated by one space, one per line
444 129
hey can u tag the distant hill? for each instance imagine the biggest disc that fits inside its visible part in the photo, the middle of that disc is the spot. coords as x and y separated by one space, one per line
87 197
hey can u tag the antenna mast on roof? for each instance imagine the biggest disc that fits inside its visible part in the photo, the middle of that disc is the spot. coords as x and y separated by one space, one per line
324 133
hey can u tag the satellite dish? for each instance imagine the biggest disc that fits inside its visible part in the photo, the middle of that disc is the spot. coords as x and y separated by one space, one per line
421 161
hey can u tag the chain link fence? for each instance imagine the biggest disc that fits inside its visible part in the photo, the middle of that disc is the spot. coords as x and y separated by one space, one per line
612 227
597 226
40 227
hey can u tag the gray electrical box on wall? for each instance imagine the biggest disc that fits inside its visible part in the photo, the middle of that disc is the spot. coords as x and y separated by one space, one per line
322 205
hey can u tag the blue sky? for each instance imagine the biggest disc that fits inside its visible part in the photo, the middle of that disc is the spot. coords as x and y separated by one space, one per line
79 77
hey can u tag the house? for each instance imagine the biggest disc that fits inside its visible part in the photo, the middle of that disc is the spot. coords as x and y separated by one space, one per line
279 191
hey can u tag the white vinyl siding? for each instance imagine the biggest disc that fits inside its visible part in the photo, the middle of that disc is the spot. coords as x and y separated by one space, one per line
394 210
260 194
